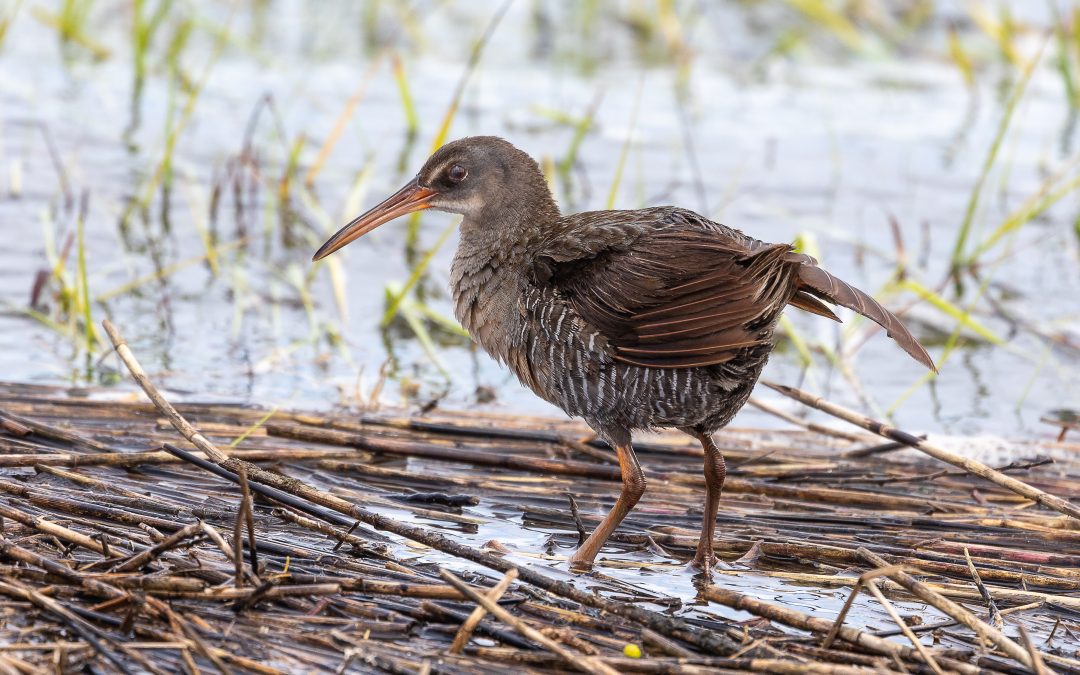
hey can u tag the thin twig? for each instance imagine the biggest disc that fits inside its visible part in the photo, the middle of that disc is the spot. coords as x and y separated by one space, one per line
86 630
995 613
978 468
1038 665
582 662
871 586
952 609
176 419
248 511
465 632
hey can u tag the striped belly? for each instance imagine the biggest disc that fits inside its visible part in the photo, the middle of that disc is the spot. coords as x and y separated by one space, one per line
566 362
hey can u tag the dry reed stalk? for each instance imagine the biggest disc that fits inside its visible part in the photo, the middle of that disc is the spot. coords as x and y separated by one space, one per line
59 531
995 613
582 662
1045 575
330 531
664 645
318 602
246 515
86 481
170 542
290 486
452 453
1038 665
684 665
803 621
11 550
464 633
951 609
29 426
281 488
139 375
977 468
871 586
158 457
810 426
862 581
84 629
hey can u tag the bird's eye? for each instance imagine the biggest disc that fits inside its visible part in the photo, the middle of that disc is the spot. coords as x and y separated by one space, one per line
457 173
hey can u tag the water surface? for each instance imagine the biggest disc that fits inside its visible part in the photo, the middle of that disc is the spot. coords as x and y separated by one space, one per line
826 144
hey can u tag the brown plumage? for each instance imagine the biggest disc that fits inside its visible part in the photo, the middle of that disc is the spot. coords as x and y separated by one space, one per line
632 320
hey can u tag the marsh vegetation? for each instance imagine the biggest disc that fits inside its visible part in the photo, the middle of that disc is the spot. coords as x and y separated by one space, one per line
173 165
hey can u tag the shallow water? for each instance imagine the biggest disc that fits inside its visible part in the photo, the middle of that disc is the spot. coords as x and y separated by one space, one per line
823 142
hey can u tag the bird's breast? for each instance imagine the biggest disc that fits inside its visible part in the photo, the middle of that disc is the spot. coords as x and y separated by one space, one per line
487 298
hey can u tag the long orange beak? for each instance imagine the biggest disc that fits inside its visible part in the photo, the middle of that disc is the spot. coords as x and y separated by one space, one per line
410 198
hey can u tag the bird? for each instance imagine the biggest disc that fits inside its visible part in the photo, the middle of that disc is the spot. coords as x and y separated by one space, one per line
631 320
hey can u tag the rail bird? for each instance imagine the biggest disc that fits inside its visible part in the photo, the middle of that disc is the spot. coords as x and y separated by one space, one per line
630 320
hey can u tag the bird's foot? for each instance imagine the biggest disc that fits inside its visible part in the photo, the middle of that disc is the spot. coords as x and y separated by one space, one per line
581 563
704 559
703 562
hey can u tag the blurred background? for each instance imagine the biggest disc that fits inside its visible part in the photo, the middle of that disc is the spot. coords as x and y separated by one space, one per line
172 165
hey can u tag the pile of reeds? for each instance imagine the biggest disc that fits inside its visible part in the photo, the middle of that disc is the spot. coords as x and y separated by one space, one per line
272 541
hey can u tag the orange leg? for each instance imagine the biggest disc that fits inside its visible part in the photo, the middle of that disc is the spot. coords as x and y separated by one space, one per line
633 480
715 472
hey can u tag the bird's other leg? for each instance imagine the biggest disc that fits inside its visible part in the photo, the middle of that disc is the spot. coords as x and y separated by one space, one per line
633 486
715 472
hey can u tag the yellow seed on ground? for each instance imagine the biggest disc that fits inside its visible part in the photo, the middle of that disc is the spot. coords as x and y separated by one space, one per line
632 650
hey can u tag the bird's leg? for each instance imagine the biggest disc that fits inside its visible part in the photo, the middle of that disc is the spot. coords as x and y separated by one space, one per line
633 480
715 472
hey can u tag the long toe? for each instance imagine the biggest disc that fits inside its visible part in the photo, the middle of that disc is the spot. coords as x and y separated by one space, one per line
703 573
701 564
704 559
580 563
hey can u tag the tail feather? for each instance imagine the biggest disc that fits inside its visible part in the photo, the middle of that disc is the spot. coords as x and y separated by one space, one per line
809 303
818 282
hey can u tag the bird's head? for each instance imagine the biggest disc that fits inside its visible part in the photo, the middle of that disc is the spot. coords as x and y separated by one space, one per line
474 177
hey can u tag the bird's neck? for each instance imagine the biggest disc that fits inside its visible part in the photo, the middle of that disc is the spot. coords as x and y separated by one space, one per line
491 268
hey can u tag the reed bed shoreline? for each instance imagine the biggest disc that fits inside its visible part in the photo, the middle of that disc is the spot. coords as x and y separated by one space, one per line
143 537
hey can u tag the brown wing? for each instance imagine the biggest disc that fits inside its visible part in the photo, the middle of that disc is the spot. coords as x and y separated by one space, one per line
681 294
670 289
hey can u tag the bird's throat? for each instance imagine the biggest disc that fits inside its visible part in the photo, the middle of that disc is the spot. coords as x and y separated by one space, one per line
488 277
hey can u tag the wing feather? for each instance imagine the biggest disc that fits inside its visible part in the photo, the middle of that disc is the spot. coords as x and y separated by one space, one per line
681 292
667 288
817 281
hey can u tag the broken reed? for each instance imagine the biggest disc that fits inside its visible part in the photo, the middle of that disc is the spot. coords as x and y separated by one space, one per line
312 558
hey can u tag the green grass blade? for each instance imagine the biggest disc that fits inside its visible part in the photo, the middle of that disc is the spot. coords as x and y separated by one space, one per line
412 121
960 57
806 357
168 270
999 136
408 311
442 321
963 317
617 180
582 126
832 20
89 332
163 167
44 320
1031 209
254 427
8 19
394 302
